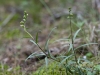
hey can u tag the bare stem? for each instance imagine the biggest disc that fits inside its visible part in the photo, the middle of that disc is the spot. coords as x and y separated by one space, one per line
72 41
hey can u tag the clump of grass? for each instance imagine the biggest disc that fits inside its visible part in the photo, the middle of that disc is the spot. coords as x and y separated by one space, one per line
69 62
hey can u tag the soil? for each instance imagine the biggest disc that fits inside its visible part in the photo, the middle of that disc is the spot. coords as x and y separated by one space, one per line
16 51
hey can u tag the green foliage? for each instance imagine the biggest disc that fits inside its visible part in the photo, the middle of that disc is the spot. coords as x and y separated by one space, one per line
51 69
84 68
89 55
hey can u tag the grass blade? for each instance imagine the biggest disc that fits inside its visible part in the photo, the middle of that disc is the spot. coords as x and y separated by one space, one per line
69 70
33 42
76 33
33 55
46 61
37 37
65 59
85 45
47 42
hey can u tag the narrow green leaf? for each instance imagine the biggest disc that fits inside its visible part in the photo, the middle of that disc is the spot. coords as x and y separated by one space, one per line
69 70
76 33
46 61
35 54
66 71
85 45
80 71
46 45
65 59
33 42
47 41
37 37
70 47
30 56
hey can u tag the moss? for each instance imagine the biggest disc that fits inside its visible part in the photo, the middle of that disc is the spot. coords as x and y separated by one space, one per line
55 69
51 69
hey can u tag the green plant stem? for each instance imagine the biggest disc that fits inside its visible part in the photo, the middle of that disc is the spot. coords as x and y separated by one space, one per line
28 32
72 41
33 39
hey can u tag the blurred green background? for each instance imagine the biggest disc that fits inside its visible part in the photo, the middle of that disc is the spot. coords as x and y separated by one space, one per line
43 15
